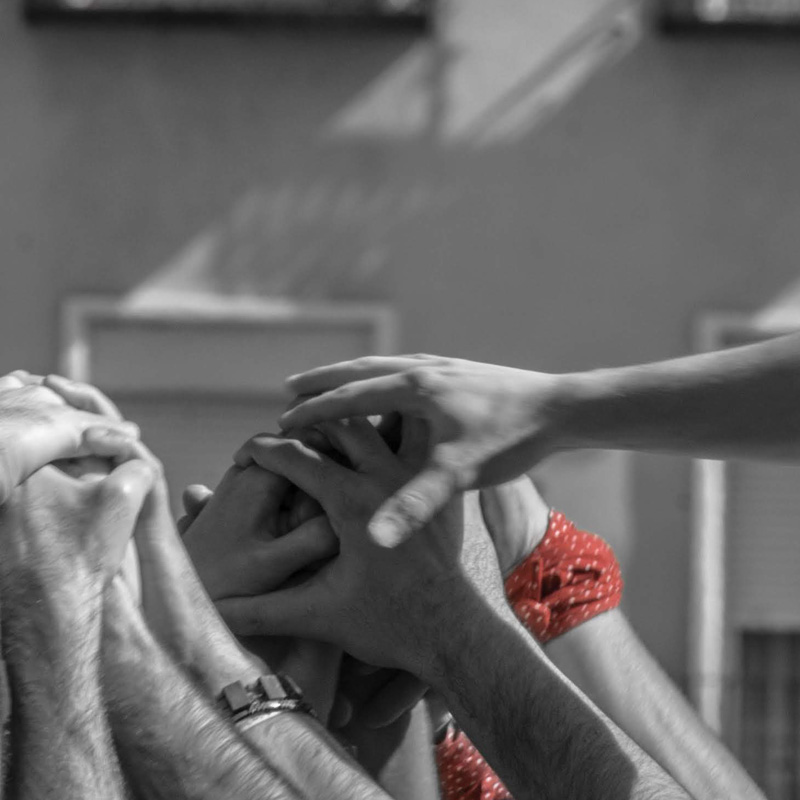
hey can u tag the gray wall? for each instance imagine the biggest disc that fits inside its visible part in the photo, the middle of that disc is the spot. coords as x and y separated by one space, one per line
671 184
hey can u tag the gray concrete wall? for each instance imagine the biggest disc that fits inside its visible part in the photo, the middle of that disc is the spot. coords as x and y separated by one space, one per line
671 184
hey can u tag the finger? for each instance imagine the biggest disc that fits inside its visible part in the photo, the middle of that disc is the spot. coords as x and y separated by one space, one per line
194 499
289 612
62 437
122 495
26 378
83 396
358 440
365 398
314 473
281 558
302 509
183 524
10 382
415 443
118 444
341 712
388 704
322 379
414 505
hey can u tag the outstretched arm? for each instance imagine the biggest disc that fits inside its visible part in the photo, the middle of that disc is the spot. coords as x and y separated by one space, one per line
173 743
435 607
488 424
606 660
741 402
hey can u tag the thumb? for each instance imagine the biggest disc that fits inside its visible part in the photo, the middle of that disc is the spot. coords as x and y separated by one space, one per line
413 506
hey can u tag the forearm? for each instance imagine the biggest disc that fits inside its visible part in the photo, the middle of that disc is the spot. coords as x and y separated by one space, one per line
174 744
608 662
171 742
310 757
735 403
60 736
542 736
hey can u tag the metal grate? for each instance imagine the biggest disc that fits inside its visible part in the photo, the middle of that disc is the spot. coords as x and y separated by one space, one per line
770 712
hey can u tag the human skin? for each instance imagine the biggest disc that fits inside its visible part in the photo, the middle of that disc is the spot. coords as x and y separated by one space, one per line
237 536
61 540
488 424
605 659
39 426
435 607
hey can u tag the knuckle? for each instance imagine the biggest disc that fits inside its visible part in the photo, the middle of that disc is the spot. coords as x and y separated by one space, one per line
418 379
39 394
414 506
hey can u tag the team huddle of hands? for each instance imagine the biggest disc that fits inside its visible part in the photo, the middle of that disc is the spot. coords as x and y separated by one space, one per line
287 549
351 552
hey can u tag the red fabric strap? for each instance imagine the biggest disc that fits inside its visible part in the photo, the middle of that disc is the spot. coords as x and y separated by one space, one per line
570 577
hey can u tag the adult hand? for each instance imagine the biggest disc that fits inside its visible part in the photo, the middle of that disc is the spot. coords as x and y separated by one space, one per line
236 540
379 605
486 424
38 426
249 536
61 540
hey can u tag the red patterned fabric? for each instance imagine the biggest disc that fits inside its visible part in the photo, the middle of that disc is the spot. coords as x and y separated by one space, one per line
570 577
463 774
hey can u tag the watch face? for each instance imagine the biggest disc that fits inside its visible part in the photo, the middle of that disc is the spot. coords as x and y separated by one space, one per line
174 8
732 13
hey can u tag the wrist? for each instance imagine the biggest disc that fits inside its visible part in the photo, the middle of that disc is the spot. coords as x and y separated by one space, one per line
575 400
219 670
45 622
444 633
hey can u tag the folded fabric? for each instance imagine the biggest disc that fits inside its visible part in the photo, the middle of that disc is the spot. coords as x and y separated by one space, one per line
570 577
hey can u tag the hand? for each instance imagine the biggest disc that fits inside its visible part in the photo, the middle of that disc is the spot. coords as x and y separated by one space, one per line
486 424
175 606
39 426
516 517
236 540
61 540
248 537
380 605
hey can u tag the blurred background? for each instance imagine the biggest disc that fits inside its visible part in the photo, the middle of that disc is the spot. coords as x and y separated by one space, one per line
201 198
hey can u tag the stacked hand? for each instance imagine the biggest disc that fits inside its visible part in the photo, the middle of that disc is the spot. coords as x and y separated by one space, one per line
44 420
250 536
486 424
379 605
515 516
62 539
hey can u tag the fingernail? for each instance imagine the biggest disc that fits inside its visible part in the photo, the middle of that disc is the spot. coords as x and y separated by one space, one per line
341 713
386 533
107 435
132 429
